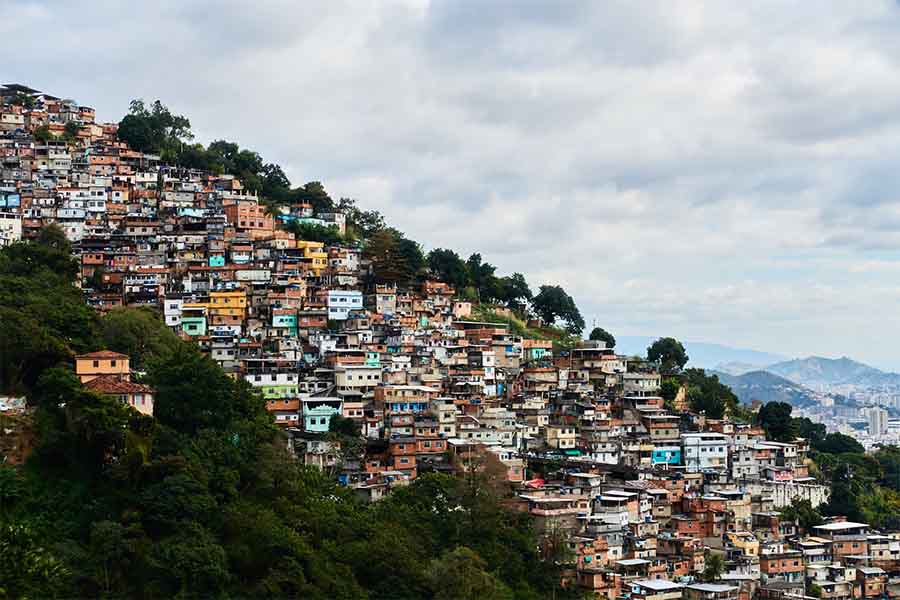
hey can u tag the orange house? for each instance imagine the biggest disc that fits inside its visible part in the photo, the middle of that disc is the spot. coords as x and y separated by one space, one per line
101 364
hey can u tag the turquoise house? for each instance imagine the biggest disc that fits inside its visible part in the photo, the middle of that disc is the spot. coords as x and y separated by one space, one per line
217 261
538 353
286 321
194 326
666 455
317 413
190 211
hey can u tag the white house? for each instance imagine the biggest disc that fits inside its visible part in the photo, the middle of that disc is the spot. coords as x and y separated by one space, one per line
341 302
704 451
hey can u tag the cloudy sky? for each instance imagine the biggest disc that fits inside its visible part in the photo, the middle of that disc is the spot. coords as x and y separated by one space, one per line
717 171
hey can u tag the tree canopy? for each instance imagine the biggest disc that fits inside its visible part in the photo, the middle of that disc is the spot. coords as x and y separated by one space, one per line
707 395
601 335
669 354
155 129
775 419
553 304
394 259
446 265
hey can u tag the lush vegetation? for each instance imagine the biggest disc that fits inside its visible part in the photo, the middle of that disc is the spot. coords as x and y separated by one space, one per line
864 487
203 500
705 394
803 514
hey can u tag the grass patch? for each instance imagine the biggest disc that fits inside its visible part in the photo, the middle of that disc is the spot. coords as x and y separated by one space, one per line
562 339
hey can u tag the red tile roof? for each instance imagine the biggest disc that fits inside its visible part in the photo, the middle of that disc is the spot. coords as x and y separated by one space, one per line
110 384
102 354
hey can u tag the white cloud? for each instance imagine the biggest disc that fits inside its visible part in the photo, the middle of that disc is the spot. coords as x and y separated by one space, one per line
724 172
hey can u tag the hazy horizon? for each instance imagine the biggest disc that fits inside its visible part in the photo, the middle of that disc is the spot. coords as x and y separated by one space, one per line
710 172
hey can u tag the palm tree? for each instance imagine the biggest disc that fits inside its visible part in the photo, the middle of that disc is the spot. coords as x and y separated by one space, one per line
714 567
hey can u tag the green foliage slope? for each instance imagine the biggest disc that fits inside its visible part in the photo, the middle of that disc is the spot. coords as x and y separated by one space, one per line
203 501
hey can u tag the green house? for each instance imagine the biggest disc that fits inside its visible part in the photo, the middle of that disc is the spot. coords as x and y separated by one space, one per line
194 326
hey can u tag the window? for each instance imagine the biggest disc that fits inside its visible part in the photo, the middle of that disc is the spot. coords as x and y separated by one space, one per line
96 363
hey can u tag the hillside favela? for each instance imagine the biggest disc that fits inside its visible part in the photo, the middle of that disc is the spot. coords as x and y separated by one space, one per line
216 382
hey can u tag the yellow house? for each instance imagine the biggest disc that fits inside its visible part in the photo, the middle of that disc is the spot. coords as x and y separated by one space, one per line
745 541
230 303
315 255
102 364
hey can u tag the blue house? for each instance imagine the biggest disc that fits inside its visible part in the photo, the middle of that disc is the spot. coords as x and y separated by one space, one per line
666 455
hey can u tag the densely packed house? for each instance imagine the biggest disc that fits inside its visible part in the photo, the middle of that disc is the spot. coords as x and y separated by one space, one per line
645 494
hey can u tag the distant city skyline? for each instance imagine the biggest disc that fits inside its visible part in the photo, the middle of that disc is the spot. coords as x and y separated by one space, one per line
714 172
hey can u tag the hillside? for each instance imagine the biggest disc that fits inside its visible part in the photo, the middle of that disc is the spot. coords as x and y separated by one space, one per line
817 370
767 387
562 340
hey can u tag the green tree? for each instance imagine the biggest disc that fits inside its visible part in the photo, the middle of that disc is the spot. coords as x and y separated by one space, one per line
70 131
669 354
482 277
154 129
10 489
139 333
344 426
846 491
668 389
275 184
412 255
514 292
838 443
95 280
801 512
27 568
714 567
189 564
889 459
109 547
775 419
460 575
216 400
329 235
389 264
447 266
706 394
42 133
313 193
23 99
552 303
601 335
362 223
810 430
43 318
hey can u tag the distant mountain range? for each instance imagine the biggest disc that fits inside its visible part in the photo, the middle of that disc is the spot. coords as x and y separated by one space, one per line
769 377
818 371
702 354
767 387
